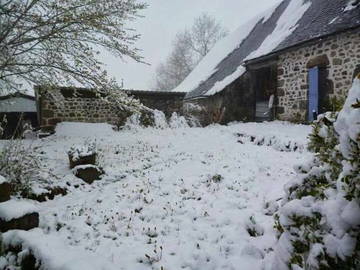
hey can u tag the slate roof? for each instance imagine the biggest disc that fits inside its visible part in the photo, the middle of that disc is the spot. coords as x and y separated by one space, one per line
323 18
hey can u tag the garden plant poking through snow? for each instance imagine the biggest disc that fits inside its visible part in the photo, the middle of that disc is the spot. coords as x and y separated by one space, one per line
319 221
21 164
172 197
175 197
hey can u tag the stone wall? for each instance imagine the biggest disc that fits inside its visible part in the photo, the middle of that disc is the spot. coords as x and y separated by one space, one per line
63 104
167 102
83 105
338 57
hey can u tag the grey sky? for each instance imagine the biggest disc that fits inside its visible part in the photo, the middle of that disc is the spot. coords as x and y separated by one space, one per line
163 19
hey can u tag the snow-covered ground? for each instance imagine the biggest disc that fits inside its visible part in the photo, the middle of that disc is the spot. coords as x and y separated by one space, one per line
184 198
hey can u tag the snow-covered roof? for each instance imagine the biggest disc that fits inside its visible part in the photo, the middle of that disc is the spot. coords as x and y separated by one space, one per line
17 102
287 24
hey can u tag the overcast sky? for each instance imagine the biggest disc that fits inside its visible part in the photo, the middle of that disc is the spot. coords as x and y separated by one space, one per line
163 19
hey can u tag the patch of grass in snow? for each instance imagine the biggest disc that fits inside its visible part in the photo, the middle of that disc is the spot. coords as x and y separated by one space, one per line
217 178
154 257
253 228
195 192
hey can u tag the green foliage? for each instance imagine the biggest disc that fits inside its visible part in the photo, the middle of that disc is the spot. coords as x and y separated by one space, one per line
331 172
126 106
298 118
147 119
336 103
253 228
277 225
217 178
323 142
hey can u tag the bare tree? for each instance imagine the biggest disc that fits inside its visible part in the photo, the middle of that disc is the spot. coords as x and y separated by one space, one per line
205 32
177 66
56 41
189 47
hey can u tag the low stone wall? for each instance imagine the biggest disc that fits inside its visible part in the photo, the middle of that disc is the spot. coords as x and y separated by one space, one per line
167 102
66 104
83 105
339 58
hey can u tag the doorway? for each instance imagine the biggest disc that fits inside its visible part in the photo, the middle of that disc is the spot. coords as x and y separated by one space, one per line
265 88
318 102
313 96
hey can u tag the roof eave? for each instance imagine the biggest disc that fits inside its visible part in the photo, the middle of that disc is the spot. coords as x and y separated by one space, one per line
17 94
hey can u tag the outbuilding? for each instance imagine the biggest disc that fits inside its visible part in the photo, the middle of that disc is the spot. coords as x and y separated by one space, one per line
292 63
16 110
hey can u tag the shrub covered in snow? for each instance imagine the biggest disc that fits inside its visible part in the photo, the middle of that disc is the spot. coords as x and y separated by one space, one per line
319 221
21 165
156 119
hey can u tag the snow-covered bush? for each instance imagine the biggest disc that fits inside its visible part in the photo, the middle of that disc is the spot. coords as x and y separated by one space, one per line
177 121
127 107
137 120
21 165
319 221
156 119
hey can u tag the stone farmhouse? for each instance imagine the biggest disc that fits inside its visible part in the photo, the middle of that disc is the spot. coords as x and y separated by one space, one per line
291 63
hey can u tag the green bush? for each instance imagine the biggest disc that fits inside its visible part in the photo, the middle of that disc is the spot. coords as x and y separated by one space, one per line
318 224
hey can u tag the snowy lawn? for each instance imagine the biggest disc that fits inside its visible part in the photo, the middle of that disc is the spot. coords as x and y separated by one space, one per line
186 198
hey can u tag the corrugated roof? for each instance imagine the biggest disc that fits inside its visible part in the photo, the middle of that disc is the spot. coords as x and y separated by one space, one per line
323 18
17 94
17 104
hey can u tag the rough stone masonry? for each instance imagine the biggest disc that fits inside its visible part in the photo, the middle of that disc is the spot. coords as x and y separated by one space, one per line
338 55
83 105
